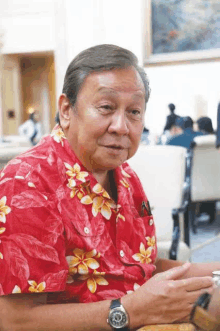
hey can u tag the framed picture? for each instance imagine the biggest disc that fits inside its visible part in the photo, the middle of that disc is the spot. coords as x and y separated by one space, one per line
182 31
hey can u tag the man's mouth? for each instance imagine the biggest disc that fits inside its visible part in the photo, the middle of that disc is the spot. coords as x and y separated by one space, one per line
115 146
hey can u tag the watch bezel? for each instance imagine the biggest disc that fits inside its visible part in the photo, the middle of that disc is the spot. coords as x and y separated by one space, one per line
122 311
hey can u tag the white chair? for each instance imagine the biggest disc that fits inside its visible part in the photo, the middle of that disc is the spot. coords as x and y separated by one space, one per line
161 170
21 141
205 173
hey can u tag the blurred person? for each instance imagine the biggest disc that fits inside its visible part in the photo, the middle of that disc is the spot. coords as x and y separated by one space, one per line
186 133
170 121
32 128
78 248
205 125
168 134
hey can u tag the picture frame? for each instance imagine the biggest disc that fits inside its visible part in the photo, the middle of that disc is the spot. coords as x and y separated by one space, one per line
169 45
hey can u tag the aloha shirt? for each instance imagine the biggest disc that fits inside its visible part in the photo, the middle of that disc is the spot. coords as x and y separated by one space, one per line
61 233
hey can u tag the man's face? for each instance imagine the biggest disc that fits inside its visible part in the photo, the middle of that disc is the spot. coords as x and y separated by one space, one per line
106 124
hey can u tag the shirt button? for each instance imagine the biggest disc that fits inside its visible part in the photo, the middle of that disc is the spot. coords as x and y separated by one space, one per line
122 254
86 230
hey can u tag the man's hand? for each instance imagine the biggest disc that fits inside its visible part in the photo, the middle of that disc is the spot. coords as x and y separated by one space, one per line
166 298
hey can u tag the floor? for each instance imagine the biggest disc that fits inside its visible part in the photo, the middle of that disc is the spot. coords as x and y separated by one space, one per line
206 233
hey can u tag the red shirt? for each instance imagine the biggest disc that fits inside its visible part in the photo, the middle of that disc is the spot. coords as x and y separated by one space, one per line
61 231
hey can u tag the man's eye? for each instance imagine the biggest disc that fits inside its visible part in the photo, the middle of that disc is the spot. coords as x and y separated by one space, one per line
135 112
108 107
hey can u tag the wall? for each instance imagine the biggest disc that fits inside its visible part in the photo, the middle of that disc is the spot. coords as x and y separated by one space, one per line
28 26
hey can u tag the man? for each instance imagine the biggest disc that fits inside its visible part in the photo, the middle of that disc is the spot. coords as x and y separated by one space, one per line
77 230
185 138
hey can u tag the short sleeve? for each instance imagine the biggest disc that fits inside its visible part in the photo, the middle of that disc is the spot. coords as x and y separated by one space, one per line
32 245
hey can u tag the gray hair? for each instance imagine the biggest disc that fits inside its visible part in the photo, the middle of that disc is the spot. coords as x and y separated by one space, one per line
100 58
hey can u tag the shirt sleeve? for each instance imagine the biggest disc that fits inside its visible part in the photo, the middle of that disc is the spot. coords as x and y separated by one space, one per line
32 245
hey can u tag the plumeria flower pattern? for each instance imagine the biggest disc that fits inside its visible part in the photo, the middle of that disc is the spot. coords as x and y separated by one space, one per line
4 210
80 190
94 279
119 216
144 255
82 261
16 289
101 202
58 135
36 288
75 172
151 241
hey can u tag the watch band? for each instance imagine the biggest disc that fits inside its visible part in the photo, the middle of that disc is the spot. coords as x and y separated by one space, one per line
115 304
200 316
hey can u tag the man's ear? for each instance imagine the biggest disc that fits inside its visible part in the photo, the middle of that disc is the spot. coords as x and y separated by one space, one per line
65 108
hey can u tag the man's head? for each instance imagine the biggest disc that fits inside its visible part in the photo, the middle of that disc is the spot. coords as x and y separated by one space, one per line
103 104
98 59
184 123
172 107
205 125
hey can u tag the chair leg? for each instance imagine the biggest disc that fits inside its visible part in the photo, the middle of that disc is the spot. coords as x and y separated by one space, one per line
186 227
192 217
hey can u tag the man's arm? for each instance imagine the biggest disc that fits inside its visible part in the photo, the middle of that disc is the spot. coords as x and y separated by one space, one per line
165 298
29 312
195 269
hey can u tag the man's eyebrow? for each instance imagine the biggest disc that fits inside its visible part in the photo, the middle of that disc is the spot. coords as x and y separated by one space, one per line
109 90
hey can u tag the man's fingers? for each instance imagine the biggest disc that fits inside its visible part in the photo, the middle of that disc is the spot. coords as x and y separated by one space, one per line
197 283
193 296
174 273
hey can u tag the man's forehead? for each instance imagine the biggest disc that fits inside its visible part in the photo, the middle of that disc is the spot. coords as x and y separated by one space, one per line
115 81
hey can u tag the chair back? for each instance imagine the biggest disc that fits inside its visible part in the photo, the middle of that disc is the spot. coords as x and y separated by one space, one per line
161 169
205 172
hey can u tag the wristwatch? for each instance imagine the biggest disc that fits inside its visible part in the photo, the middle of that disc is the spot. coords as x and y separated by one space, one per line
200 316
118 317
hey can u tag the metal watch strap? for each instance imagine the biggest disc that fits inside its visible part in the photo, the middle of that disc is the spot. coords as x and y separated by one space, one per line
200 316
115 304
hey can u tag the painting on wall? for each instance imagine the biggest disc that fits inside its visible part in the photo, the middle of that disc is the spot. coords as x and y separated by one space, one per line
179 30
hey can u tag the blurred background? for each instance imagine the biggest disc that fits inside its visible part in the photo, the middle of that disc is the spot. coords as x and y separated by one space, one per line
40 37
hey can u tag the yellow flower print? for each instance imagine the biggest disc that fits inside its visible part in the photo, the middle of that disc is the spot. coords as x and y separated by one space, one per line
124 173
151 241
4 210
35 288
2 230
118 214
125 183
80 190
82 261
1 256
144 255
94 279
75 172
101 202
58 135
16 289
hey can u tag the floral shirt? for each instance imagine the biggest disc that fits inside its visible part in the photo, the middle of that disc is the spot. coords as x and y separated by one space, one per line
61 232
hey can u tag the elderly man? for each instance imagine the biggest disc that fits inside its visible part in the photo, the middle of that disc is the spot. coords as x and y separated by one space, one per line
78 249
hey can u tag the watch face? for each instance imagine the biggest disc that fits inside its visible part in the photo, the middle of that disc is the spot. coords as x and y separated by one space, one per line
118 319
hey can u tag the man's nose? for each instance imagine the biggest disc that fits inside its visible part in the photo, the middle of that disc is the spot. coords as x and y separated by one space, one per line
119 123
